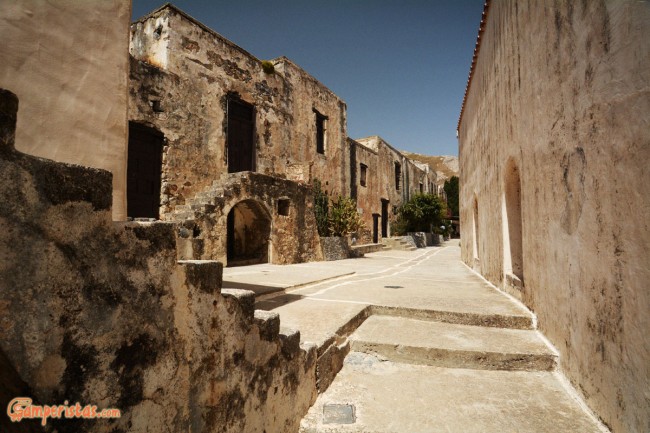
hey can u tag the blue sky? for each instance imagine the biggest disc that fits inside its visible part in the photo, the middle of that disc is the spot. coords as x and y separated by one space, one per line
400 65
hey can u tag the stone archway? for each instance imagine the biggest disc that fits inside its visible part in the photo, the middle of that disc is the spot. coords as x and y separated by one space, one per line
248 233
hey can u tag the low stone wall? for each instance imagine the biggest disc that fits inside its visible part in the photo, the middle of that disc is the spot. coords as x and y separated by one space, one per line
419 238
335 248
102 313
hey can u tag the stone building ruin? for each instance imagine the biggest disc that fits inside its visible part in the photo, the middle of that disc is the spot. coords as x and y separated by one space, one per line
218 116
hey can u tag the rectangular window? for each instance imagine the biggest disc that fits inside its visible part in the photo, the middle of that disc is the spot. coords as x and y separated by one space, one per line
363 169
320 132
421 188
398 175
283 206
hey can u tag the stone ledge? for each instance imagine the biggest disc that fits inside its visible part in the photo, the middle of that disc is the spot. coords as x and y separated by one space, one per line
245 298
204 275
268 323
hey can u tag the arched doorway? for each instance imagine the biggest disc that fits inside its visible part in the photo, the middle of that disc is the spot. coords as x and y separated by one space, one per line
249 230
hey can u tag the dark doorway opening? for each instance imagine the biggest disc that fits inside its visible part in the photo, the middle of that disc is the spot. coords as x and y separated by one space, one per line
375 228
248 233
144 171
241 143
384 218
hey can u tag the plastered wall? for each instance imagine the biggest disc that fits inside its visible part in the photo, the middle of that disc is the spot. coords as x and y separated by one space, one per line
561 91
68 63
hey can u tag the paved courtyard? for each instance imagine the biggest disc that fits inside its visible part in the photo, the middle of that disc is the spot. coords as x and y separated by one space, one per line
427 346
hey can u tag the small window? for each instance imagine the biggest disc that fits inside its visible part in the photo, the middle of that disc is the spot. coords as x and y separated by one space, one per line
421 188
320 132
283 206
362 174
398 175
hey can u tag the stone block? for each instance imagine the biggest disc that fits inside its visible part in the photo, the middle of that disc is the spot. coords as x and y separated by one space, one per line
268 323
290 342
245 298
204 275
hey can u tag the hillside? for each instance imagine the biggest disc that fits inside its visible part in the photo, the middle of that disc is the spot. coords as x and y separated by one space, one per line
445 166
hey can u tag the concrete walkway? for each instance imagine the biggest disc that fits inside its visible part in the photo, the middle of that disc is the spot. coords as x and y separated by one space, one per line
414 341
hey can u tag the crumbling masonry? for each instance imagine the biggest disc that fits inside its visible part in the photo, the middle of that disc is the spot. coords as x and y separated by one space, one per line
214 112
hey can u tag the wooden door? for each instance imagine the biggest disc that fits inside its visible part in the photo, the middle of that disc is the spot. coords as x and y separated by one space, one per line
241 145
144 170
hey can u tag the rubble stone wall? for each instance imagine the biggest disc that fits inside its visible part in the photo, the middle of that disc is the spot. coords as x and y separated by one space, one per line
102 313
559 100
180 84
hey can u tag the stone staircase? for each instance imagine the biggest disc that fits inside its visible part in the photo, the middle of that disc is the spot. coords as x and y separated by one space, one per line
423 342
206 201
402 243
404 372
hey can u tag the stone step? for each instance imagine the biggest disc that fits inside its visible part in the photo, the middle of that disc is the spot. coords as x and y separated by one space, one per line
371 395
204 275
401 339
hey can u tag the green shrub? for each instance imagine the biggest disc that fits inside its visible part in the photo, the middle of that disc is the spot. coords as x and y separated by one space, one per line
422 213
339 218
268 67
344 218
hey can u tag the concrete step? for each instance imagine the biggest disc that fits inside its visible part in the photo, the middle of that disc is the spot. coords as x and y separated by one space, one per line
398 244
440 344
371 395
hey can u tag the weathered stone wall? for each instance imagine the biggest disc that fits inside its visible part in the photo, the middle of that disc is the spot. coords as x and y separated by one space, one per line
307 94
101 313
368 196
293 237
559 98
68 65
384 176
335 248
185 95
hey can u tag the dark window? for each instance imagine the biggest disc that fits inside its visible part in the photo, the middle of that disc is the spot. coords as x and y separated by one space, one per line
241 146
283 206
398 175
320 132
362 174
421 187
143 171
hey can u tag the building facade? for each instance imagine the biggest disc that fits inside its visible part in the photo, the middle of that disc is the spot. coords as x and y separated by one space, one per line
203 112
382 179
554 145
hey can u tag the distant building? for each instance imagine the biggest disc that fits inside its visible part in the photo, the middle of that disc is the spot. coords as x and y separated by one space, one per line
382 180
